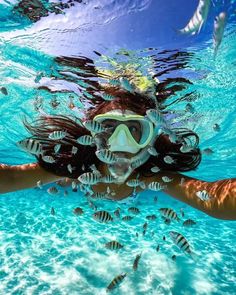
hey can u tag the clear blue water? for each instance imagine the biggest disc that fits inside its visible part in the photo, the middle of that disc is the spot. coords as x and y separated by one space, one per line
64 253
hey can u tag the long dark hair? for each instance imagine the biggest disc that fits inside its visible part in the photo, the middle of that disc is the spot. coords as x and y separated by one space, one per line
124 100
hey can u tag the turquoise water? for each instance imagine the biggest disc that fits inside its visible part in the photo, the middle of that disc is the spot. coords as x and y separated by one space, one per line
63 253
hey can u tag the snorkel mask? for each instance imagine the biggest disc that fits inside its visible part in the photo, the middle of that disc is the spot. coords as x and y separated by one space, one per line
127 134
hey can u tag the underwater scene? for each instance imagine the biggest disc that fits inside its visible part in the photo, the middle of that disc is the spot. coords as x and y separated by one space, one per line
128 109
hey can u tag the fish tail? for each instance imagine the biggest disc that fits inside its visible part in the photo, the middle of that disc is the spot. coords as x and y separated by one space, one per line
194 256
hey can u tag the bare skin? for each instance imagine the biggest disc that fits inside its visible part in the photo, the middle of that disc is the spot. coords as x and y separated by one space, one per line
222 204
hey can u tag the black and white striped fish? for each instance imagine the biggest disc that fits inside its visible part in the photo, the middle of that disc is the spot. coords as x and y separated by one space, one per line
108 97
57 135
219 26
52 190
78 211
169 213
166 179
108 179
102 216
134 210
127 218
106 156
85 140
151 217
114 82
168 160
136 262
182 243
135 183
94 126
30 145
155 169
189 223
99 196
152 151
89 178
156 186
113 245
199 17
57 148
203 195
115 282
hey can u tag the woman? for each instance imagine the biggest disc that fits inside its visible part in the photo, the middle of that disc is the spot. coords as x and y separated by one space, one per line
128 139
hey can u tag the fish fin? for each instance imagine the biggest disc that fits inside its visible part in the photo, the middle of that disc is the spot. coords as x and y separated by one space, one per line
200 27
194 256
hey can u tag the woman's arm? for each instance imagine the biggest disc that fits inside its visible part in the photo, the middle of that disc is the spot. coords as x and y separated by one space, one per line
222 204
13 178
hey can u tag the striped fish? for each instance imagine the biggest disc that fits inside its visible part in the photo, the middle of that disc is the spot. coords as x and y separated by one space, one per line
102 216
53 211
30 145
106 156
136 261
108 179
166 220
113 245
134 210
155 117
78 211
89 178
135 183
57 148
166 179
181 242
48 159
94 126
219 26
127 218
108 97
169 213
115 282
99 196
200 15
203 195
156 186
168 160
85 140
151 217
155 169
52 190
189 223
57 135
114 82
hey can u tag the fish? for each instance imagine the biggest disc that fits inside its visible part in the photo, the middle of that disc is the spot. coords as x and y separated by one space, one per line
173 257
189 223
155 169
219 26
48 159
216 127
78 211
113 245
30 145
74 150
166 179
134 210
181 212
152 151
57 148
203 195
155 117
85 140
136 262
189 108
169 213
163 238
145 225
102 216
207 151
95 170
99 195
199 17
169 160
106 156
181 242
115 282
127 218
89 178
144 232
52 190
166 220
53 211
4 90
69 168
39 184
135 183
57 135
125 84
136 235
155 186
94 126
158 248
117 212
186 148
151 217
108 97
114 82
